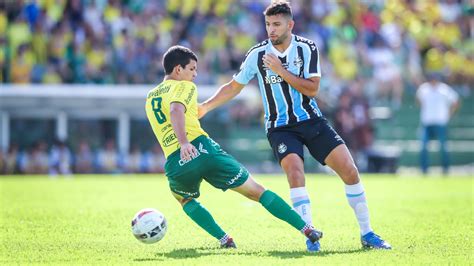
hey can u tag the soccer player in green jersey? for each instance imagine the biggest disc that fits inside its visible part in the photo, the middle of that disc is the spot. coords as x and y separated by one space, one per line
192 156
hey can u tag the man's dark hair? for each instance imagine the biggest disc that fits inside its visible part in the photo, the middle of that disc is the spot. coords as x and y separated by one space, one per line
177 55
279 8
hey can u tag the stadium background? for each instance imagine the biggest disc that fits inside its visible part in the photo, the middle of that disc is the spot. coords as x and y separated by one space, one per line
76 72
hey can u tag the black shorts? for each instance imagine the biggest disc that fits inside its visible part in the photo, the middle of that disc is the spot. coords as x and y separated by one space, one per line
316 134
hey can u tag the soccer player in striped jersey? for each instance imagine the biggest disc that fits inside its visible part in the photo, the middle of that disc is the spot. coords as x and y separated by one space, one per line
192 156
288 71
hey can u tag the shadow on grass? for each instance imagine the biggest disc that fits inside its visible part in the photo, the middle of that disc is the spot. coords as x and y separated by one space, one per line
183 253
323 253
186 253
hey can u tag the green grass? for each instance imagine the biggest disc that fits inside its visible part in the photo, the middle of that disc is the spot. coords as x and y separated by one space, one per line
86 220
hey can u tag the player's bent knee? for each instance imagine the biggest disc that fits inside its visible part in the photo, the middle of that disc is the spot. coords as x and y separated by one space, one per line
295 173
296 179
352 174
293 166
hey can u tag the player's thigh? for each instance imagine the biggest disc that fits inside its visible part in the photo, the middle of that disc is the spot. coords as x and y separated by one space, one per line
186 186
184 179
285 142
224 172
321 140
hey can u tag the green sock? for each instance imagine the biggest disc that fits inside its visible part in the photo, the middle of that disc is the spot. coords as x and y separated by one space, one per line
280 209
203 218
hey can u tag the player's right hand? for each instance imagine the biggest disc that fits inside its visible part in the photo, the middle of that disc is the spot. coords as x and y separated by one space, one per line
188 151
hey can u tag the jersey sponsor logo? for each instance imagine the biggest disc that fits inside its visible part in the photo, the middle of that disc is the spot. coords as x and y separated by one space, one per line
159 91
272 79
311 44
282 148
200 151
166 127
190 96
169 138
183 162
237 177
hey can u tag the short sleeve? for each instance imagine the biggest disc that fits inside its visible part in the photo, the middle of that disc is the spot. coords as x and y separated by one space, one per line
247 69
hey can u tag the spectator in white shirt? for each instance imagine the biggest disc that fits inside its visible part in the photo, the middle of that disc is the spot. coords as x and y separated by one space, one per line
438 102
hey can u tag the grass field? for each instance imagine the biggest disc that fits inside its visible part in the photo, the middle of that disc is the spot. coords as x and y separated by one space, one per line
86 220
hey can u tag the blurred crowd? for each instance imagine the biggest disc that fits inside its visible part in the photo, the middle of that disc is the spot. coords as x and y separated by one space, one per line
122 41
372 52
59 159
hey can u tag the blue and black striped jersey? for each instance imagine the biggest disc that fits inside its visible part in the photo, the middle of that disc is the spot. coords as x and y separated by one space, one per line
283 104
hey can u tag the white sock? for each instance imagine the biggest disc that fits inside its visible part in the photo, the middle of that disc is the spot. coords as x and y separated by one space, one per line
356 196
301 203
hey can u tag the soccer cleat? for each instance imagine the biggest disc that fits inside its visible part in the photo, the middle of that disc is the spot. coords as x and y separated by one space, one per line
371 240
312 247
313 235
229 243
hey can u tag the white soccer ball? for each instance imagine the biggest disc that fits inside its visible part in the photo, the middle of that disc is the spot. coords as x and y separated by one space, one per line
149 226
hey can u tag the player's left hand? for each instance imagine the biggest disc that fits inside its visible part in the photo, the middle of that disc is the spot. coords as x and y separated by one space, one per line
273 62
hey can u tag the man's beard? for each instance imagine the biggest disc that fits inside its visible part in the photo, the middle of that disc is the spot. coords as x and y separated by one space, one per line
279 40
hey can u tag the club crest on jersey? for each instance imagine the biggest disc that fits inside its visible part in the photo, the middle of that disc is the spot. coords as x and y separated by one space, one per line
298 62
282 148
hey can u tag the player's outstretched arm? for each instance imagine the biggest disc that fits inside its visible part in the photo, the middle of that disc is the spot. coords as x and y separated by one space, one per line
187 150
225 93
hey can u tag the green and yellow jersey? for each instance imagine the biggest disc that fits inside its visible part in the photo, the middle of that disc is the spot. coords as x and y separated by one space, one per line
157 108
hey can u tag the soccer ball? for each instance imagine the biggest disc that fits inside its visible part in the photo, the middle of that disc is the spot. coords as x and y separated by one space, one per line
149 226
